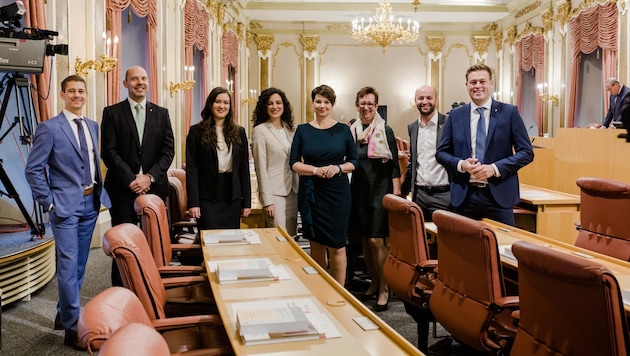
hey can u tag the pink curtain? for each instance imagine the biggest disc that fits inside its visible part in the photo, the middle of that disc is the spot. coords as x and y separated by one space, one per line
595 27
36 17
142 8
530 52
229 47
196 35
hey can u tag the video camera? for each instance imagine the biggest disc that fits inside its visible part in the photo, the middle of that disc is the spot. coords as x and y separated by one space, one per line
24 51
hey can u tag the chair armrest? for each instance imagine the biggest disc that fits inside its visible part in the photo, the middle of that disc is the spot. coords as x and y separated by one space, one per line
183 281
429 264
184 223
179 270
184 321
186 247
510 302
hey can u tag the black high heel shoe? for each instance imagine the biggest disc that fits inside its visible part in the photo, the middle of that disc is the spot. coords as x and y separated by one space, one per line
365 297
383 307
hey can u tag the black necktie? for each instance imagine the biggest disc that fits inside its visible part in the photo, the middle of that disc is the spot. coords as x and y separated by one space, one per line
480 142
87 173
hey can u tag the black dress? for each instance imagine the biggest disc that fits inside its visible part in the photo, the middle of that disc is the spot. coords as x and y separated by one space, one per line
370 182
324 204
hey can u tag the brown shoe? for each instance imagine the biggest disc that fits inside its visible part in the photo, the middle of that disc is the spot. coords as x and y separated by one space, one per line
58 325
72 339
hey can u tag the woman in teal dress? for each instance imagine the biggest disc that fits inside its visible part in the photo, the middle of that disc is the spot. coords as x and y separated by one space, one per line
378 174
322 153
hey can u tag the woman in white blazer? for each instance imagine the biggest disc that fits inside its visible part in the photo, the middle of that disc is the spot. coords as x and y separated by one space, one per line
271 145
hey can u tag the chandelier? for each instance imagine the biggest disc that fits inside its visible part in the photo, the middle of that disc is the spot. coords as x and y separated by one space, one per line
382 29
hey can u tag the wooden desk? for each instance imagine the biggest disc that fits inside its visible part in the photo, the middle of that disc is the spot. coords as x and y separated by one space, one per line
556 212
331 297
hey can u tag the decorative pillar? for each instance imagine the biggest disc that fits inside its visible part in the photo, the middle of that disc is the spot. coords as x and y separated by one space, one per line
263 45
622 54
564 14
480 48
309 47
434 77
549 123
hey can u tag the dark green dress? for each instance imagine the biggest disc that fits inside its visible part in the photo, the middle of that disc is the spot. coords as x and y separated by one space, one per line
370 182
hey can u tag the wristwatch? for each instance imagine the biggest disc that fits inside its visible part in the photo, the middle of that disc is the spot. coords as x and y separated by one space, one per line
151 178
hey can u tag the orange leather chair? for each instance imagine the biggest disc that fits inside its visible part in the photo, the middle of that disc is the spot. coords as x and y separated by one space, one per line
183 230
403 156
108 313
568 305
161 297
604 217
408 269
469 298
152 213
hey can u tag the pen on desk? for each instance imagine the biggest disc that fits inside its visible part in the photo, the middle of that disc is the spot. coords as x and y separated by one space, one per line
503 229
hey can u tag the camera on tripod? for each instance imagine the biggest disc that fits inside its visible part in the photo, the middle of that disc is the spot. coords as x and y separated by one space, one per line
24 51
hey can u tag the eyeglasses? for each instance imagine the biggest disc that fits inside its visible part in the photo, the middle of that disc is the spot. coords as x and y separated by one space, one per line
368 105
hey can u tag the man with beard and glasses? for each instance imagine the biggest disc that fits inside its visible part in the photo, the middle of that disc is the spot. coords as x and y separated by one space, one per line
427 179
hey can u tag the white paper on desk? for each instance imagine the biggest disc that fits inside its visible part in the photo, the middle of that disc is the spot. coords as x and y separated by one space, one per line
534 194
625 296
506 252
213 237
276 270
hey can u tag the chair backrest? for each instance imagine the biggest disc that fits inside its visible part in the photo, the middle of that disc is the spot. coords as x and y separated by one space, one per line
135 339
403 155
568 305
404 267
127 244
604 211
180 174
469 279
107 312
177 201
155 227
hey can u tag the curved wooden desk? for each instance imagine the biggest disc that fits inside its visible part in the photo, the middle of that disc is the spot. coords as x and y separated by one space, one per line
339 304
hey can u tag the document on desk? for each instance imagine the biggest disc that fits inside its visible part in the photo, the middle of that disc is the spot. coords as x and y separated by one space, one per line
506 252
230 237
239 270
625 296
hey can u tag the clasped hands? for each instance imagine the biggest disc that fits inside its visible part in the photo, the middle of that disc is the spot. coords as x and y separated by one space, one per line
328 171
140 185
477 169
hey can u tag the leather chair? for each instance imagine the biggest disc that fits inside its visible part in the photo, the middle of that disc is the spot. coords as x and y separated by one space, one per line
152 213
183 230
161 297
109 314
604 217
469 298
403 156
568 305
408 270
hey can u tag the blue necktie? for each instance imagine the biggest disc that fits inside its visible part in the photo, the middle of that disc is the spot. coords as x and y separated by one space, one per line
85 155
480 142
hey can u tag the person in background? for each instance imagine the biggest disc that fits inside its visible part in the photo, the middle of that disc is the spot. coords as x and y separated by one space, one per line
618 92
271 145
425 177
217 166
64 173
322 153
138 147
484 144
378 174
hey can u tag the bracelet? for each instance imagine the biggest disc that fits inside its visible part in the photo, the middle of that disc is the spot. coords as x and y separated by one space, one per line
340 170
314 171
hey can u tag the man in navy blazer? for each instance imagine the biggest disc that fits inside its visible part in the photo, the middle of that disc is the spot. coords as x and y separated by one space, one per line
618 92
484 187
138 148
63 171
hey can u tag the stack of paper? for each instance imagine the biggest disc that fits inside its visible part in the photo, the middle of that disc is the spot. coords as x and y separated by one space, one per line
282 321
245 270
230 237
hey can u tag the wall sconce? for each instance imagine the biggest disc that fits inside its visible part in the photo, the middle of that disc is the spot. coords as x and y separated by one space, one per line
412 103
105 64
229 85
187 84
252 98
544 95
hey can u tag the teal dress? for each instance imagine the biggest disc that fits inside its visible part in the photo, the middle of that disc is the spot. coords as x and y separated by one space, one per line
324 204
370 182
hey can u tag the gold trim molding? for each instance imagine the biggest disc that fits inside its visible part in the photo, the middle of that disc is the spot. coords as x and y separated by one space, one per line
527 9
309 43
435 44
481 43
264 42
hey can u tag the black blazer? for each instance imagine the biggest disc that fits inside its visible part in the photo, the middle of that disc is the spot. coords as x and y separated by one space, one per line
123 155
202 170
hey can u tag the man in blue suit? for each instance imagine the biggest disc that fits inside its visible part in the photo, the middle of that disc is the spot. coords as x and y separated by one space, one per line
71 189
483 160
618 92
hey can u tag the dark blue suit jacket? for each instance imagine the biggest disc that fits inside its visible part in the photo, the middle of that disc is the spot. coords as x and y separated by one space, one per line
614 107
55 147
507 146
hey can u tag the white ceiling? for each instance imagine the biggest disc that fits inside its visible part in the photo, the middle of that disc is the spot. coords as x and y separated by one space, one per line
344 11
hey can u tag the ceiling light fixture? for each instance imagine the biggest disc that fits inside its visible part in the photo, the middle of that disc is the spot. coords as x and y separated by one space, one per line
382 29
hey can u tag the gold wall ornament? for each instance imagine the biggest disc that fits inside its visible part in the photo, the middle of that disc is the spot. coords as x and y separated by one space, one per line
481 43
382 29
337 27
255 25
531 30
547 19
185 85
309 43
251 99
416 4
263 42
544 95
527 9
512 33
249 37
104 65
435 44
498 41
